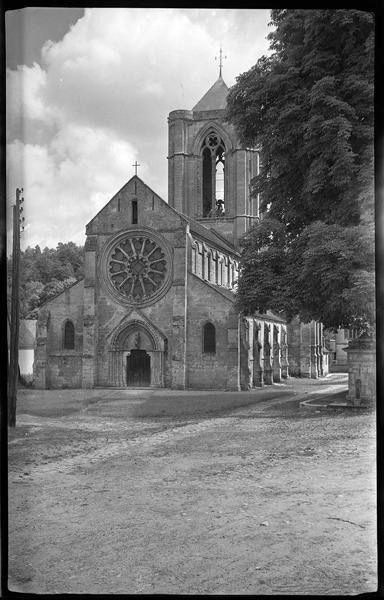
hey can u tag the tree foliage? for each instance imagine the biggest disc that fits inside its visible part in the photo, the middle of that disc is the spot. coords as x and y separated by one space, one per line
309 109
46 273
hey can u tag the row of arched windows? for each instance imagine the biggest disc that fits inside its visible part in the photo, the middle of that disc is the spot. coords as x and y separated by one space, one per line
212 266
209 337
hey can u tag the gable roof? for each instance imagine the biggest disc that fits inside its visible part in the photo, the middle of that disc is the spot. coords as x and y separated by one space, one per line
208 234
126 185
215 98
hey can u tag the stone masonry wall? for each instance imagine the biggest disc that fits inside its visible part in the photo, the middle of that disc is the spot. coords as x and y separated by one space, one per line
63 367
167 314
204 370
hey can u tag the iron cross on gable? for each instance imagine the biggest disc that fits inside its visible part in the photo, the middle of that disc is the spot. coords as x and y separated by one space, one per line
136 165
220 58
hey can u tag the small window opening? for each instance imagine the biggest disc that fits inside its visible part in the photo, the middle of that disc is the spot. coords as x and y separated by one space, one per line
69 336
134 212
209 338
118 205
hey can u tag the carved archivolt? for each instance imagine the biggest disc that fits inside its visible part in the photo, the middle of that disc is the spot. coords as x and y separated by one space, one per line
127 329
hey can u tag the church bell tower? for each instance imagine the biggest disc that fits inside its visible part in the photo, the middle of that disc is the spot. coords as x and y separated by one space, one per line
209 171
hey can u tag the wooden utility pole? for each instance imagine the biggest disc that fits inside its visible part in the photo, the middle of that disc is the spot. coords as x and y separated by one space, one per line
13 374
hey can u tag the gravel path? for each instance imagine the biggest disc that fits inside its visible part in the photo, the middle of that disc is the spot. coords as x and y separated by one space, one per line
177 493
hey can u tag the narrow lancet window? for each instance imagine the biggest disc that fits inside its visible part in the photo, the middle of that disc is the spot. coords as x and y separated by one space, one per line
209 338
134 212
213 155
69 336
209 267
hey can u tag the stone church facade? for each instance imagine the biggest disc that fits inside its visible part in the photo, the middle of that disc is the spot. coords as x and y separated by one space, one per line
156 305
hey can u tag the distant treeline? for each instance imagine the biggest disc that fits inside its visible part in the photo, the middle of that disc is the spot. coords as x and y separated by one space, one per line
46 273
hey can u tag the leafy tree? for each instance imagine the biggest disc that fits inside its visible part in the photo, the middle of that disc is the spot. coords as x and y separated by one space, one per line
30 294
45 273
309 109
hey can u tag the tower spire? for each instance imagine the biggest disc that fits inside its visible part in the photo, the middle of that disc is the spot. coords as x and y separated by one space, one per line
220 58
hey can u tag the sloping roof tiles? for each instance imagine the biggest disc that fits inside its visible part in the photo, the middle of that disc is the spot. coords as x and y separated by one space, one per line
215 98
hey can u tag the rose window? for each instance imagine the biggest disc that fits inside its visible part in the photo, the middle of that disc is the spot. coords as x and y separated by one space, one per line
137 268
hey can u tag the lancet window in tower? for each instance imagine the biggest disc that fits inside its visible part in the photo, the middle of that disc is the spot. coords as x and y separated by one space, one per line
213 152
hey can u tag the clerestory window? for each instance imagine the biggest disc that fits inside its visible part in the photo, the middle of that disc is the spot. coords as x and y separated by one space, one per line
213 153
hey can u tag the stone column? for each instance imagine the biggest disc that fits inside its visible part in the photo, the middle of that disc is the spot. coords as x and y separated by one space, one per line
40 366
276 354
267 355
294 333
233 348
121 365
157 379
179 317
246 359
313 346
307 353
361 361
258 376
320 349
284 354
89 342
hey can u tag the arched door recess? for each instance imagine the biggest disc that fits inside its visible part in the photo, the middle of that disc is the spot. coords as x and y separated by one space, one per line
138 365
136 356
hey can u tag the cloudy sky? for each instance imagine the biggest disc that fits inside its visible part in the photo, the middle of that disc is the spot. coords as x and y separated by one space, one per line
89 92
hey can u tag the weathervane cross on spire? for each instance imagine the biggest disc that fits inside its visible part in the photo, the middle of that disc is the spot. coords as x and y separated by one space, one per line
221 58
136 165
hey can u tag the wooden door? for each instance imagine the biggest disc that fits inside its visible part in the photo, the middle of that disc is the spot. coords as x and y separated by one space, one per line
138 369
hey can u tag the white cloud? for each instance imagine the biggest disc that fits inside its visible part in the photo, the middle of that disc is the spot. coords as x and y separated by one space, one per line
100 99
68 182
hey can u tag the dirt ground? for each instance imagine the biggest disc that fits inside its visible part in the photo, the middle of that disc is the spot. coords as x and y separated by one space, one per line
145 491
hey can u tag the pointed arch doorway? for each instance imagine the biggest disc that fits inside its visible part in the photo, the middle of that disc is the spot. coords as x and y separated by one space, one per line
136 355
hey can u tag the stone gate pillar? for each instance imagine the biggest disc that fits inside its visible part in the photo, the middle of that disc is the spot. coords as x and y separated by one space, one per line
40 366
361 361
